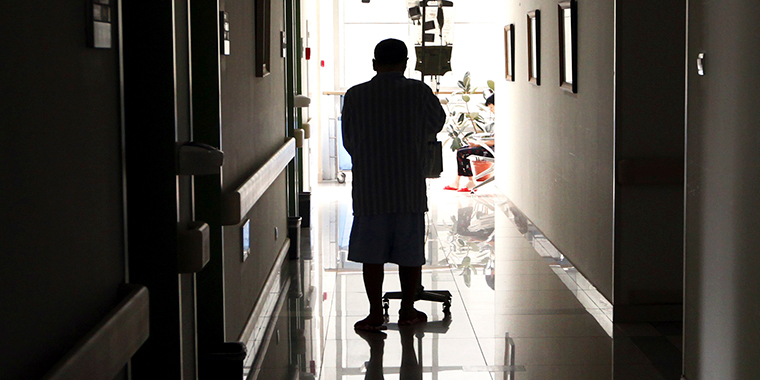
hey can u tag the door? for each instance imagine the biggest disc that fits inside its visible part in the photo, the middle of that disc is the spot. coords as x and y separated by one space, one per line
160 208
239 105
723 180
61 192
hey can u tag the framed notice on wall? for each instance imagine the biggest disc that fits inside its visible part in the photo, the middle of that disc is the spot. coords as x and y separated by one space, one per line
534 47
568 45
509 52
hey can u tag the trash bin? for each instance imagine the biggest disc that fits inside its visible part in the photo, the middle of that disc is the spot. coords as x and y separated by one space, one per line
294 233
224 361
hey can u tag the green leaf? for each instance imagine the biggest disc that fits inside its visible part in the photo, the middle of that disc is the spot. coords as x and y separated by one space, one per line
466 98
491 85
460 119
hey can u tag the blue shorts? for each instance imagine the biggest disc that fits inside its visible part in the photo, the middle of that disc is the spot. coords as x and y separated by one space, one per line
388 238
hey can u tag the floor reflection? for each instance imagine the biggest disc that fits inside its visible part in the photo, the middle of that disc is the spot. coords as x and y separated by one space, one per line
538 319
468 241
412 365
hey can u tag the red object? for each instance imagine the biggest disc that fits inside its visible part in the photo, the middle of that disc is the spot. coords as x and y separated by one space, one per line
313 367
450 188
324 296
308 53
481 166
322 63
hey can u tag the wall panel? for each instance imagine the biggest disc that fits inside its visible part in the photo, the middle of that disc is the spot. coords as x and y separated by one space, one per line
253 129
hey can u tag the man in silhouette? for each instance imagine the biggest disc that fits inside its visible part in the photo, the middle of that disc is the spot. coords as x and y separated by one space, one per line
386 125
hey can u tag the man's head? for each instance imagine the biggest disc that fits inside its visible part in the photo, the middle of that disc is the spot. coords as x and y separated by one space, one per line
390 55
491 103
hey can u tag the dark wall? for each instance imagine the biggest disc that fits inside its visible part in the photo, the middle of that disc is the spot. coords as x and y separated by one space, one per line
723 181
253 129
649 134
244 280
274 366
556 163
62 205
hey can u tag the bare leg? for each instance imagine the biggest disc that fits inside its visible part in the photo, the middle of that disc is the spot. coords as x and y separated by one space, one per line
373 284
411 280
376 343
470 183
410 366
455 184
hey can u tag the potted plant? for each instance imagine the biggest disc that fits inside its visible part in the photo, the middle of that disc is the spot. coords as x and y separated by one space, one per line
464 114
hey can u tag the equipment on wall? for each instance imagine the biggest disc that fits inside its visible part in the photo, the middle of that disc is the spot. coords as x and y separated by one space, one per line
434 39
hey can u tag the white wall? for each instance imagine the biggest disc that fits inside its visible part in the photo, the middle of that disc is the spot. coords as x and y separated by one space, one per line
556 159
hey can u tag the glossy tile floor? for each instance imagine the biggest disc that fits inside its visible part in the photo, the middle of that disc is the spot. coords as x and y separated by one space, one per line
518 310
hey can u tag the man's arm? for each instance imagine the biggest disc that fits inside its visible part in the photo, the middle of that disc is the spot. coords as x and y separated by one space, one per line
346 120
436 116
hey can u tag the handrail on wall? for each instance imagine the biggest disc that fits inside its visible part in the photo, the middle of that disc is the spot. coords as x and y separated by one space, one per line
258 329
107 348
235 205
269 284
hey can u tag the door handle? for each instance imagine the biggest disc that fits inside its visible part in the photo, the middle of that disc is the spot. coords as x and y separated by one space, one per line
700 64
194 248
198 159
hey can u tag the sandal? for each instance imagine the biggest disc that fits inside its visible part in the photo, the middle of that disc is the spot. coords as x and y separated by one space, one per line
466 190
363 325
420 317
450 188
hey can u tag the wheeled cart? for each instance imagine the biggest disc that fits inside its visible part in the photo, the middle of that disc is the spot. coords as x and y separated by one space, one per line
443 296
